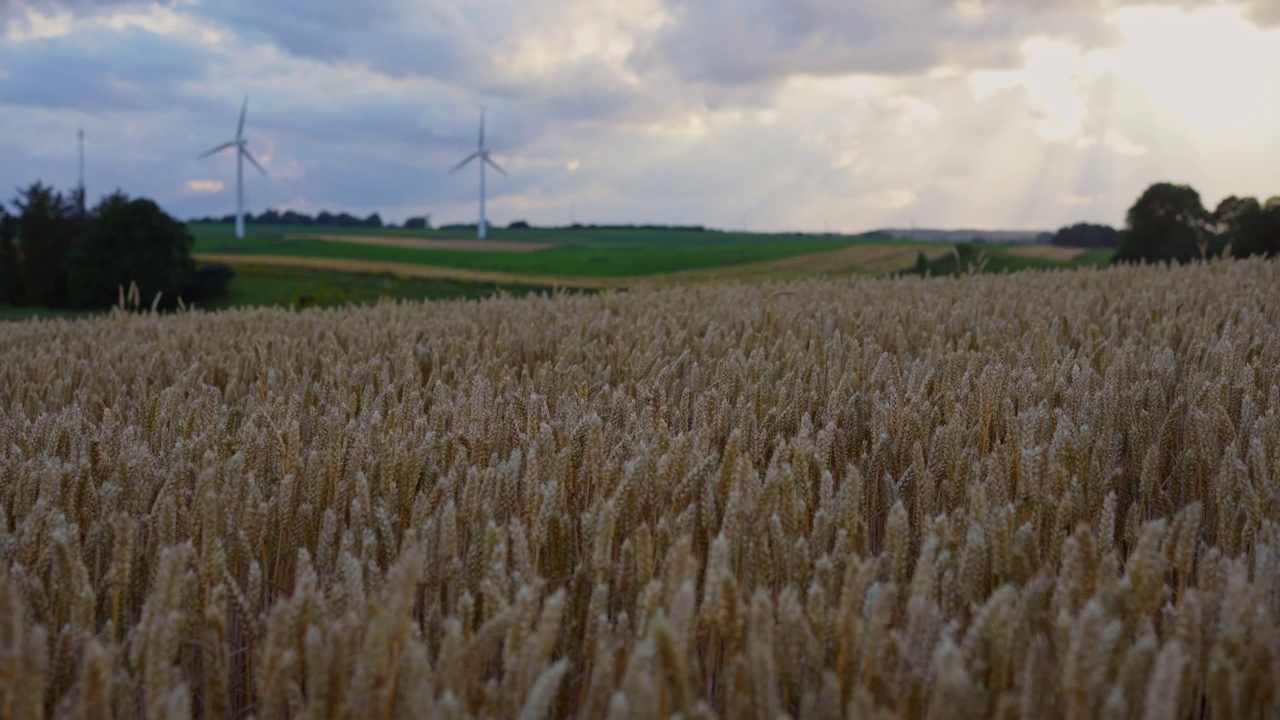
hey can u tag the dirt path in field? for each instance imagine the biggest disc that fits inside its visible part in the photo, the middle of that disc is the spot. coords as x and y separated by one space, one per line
375 267
506 246
1048 252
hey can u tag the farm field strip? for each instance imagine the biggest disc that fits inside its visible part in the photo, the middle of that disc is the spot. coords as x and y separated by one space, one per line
400 269
1043 495
864 259
1047 252
857 259
471 245
591 261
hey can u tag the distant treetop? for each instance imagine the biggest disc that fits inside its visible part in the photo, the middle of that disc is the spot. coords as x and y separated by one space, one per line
1085 235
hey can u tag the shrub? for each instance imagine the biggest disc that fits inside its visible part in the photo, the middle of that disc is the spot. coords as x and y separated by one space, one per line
209 282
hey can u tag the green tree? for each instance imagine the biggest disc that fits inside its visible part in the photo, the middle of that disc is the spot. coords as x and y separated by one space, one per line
1237 224
46 229
131 241
1087 236
1168 223
1269 227
10 260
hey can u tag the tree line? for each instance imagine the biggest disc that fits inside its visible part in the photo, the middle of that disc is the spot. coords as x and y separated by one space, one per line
56 253
323 219
1169 223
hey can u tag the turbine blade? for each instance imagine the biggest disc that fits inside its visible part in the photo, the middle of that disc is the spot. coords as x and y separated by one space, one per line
249 157
218 149
243 109
465 160
495 165
481 145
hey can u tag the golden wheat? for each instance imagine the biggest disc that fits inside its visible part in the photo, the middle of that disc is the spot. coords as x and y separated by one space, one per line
1040 495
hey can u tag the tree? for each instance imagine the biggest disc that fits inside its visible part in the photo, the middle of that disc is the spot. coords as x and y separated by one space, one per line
1085 235
208 282
46 228
374 221
1168 222
131 241
1237 223
10 260
1269 227
418 223
296 218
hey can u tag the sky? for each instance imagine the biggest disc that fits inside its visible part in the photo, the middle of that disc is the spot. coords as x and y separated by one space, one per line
766 115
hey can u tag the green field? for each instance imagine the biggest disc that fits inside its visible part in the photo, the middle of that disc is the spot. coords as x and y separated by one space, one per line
285 287
1004 258
258 286
592 255
582 254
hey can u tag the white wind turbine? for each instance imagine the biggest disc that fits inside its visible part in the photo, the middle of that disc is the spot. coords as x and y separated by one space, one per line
242 154
482 154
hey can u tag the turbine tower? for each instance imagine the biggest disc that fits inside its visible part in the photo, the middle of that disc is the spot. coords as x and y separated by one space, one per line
242 154
482 154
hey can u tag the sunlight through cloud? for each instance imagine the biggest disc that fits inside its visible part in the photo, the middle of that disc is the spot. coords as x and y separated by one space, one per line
204 186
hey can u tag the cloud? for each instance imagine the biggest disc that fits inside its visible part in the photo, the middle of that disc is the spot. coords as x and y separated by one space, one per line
99 67
750 41
204 186
745 42
780 114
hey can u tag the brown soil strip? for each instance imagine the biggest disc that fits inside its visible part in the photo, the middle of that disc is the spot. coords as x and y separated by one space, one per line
376 267
1048 252
852 260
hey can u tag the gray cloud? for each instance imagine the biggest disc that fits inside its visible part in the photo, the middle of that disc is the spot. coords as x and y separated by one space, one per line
1265 13
364 110
749 41
10 9
126 69
752 41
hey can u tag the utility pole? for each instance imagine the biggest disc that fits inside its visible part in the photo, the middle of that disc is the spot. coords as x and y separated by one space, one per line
81 187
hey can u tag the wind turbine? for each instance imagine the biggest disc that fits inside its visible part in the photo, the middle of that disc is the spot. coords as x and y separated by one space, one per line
242 154
482 154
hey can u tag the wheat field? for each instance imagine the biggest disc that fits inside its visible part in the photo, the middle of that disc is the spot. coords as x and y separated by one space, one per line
1041 495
